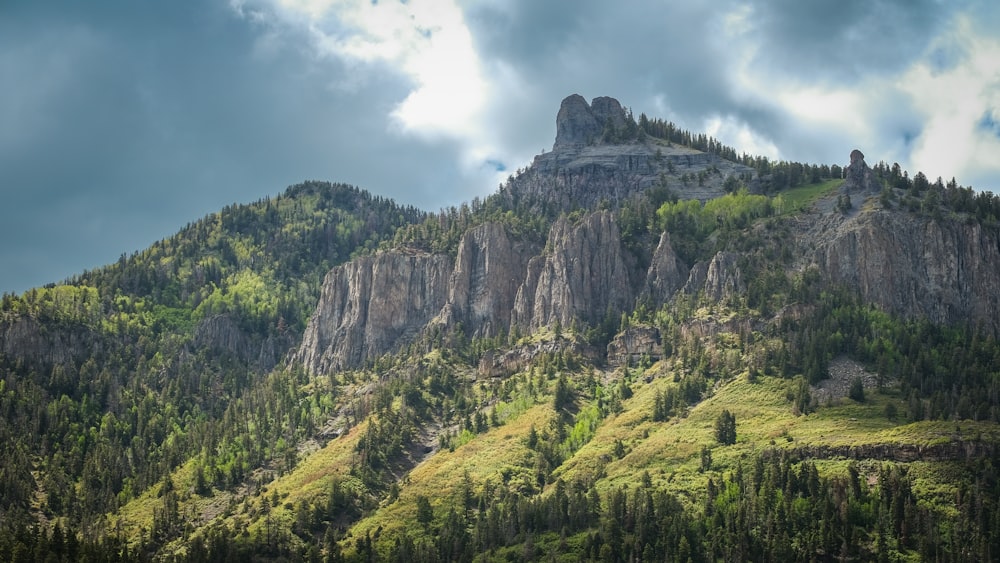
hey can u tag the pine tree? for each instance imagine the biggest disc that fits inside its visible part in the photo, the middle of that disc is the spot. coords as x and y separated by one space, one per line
725 428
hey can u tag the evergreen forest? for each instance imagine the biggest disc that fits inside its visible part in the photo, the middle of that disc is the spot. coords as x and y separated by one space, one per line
153 409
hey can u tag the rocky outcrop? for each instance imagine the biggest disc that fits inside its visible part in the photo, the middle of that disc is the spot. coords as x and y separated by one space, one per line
502 364
719 278
585 273
696 278
41 345
711 327
575 123
946 271
582 171
489 269
374 305
577 176
579 124
497 282
666 272
859 178
223 333
632 344
608 111
723 278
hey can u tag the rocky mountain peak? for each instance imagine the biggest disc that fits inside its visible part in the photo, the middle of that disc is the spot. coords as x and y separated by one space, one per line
594 159
607 109
859 177
579 123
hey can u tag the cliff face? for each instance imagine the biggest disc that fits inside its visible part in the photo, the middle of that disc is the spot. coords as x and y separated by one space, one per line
946 271
377 304
586 273
372 305
723 278
667 273
579 124
223 333
576 124
629 346
859 177
497 282
43 345
489 268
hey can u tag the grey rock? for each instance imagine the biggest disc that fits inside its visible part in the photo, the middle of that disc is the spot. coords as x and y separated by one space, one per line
575 177
666 274
575 123
582 171
502 364
579 124
220 332
859 178
723 278
696 278
489 269
374 305
946 271
630 345
608 111
719 278
223 333
585 274
42 345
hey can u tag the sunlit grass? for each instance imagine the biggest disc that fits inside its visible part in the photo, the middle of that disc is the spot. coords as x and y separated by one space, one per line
499 455
671 451
618 452
800 198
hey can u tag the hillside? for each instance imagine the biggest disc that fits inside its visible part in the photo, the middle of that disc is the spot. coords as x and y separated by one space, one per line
642 346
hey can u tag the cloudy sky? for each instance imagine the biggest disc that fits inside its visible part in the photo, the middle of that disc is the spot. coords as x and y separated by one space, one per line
123 120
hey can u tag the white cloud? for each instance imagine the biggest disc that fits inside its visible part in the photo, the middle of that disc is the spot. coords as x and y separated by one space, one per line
924 114
451 95
427 41
953 102
821 107
731 131
928 115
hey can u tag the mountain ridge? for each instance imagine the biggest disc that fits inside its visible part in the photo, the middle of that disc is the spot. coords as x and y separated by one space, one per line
585 272
329 376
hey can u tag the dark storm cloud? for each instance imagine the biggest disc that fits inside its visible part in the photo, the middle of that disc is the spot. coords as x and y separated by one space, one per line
600 45
691 62
845 40
637 52
121 121
127 122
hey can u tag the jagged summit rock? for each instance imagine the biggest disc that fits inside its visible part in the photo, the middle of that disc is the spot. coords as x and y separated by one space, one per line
585 168
859 178
575 123
581 124
607 109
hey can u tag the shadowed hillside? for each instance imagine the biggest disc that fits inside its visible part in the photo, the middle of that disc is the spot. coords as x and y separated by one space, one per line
641 347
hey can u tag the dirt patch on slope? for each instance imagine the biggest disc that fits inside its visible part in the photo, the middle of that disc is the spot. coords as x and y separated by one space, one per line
842 372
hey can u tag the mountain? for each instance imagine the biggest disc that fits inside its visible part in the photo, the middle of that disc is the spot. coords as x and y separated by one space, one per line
642 346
